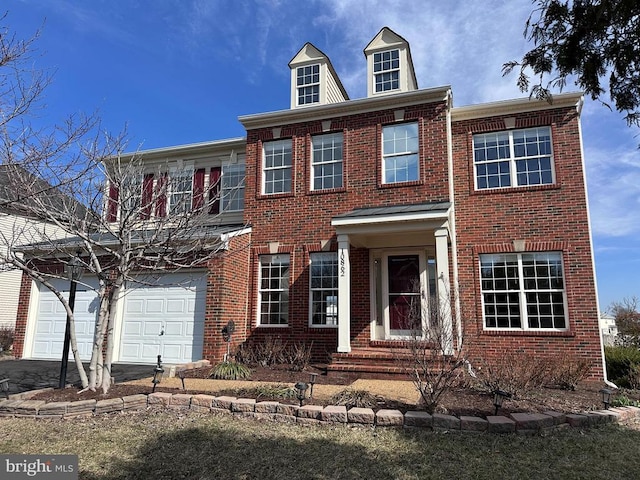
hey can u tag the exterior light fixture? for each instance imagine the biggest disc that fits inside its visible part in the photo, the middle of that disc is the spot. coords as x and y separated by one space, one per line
499 396
157 374
606 397
300 388
4 387
313 377
73 271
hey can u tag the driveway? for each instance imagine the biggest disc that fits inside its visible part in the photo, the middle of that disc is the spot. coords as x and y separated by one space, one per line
25 375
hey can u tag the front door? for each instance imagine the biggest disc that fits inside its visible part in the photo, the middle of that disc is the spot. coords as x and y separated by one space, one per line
403 296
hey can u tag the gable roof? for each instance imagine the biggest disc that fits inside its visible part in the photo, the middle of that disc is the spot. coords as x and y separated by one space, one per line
310 53
387 38
16 199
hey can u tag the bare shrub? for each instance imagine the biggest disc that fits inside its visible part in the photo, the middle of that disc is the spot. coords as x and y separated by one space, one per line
298 355
6 338
351 398
435 357
274 351
568 371
515 372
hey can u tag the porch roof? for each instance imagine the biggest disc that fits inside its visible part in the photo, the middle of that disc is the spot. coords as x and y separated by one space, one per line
416 211
398 225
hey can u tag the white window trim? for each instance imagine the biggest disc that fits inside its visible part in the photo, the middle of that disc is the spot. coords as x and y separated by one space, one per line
311 290
186 167
524 318
314 164
381 72
513 174
399 154
265 169
260 292
298 87
223 206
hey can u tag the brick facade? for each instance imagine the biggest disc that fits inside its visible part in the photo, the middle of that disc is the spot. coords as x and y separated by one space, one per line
546 218
452 223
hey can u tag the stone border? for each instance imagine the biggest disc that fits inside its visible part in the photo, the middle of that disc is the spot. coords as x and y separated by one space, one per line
21 405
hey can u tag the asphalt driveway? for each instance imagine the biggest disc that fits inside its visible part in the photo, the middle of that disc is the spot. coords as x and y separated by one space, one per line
25 375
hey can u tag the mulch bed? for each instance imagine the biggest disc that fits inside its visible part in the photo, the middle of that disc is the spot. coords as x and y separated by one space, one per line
458 401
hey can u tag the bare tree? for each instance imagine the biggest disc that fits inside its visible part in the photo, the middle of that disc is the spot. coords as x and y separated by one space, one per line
72 190
435 358
627 315
130 223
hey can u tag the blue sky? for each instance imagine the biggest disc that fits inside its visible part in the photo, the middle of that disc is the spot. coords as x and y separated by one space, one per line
182 71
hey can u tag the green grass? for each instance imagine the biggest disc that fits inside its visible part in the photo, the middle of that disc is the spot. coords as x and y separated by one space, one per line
175 445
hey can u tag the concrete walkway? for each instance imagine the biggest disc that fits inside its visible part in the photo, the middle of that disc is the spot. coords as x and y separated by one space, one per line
25 375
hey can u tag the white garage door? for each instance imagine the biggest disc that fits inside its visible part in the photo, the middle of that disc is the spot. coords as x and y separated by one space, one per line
51 319
166 318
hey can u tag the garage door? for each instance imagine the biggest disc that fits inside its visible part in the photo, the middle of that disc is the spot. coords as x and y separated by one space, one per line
165 318
51 319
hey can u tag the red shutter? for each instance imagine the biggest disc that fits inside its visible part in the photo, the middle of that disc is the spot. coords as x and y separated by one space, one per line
147 195
161 196
214 190
198 189
112 203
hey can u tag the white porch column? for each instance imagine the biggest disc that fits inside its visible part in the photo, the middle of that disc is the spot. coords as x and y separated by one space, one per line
344 295
445 295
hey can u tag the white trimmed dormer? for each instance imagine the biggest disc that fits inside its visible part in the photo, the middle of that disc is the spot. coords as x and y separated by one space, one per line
313 79
389 65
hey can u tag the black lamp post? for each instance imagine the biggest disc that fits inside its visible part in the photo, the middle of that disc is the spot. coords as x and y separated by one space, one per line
74 270
606 397
499 396
301 389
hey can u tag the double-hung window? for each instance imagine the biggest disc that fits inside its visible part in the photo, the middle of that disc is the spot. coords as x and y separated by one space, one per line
326 161
274 290
180 190
323 289
277 167
523 291
232 194
386 70
515 158
308 84
131 195
400 153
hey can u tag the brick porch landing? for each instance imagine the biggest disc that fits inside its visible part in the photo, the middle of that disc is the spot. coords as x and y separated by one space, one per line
385 358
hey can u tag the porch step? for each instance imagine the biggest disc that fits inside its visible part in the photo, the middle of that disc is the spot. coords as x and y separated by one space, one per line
373 360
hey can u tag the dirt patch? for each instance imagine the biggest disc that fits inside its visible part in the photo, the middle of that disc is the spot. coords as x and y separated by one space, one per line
391 392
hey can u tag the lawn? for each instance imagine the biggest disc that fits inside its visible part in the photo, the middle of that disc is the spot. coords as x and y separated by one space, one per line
171 445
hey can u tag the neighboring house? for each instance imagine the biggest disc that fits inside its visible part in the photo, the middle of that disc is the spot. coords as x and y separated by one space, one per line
17 227
359 210
609 329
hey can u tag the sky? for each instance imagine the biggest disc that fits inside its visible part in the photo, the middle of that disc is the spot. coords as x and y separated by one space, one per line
177 72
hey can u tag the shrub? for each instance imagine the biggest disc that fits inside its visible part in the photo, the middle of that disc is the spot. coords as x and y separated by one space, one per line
274 351
624 401
277 391
622 365
514 372
567 372
351 398
6 338
230 370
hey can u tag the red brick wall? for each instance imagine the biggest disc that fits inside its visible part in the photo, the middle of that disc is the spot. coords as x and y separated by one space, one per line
301 220
22 316
547 218
227 293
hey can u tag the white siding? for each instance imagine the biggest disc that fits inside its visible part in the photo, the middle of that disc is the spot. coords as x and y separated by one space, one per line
14 231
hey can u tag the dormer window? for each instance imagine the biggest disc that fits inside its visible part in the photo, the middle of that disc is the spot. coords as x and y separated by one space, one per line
313 79
386 70
308 84
389 65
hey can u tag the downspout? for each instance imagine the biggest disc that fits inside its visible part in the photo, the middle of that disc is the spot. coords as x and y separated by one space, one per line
593 262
